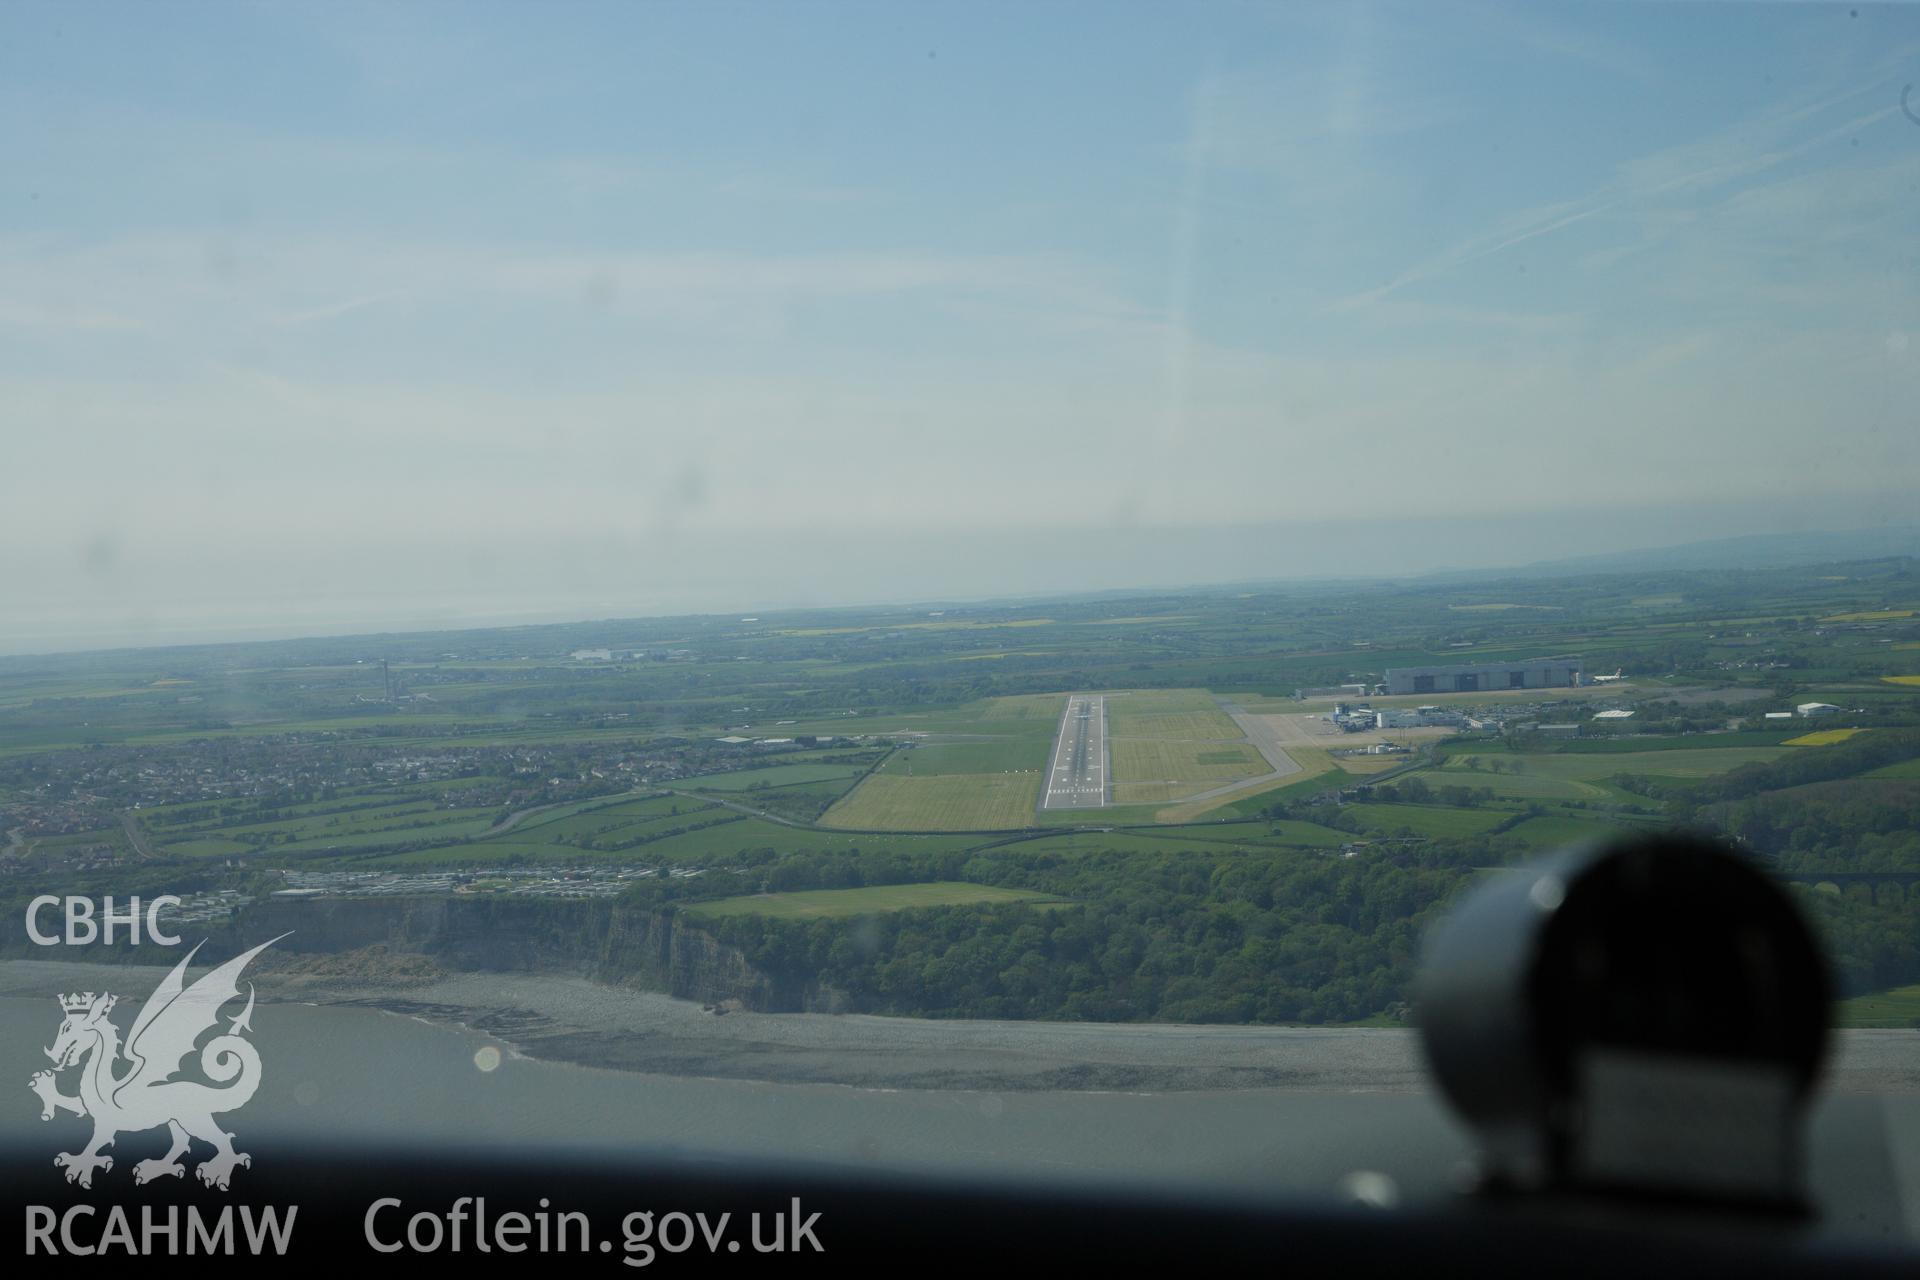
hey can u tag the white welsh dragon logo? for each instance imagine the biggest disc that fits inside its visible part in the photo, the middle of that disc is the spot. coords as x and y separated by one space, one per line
146 1095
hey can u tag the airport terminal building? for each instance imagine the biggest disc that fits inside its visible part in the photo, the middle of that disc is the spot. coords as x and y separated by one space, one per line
1478 677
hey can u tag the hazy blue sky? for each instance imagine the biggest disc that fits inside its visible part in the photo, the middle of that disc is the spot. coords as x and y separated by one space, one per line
332 314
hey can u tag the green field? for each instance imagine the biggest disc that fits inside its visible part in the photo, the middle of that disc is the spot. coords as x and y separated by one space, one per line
1208 838
236 812
458 825
1899 1007
943 802
366 827
974 768
1124 840
997 755
1168 744
1425 819
777 776
1555 832
822 904
1509 786
1548 776
1573 766
1901 769
624 822
1254 835
1636 742
207 848
1032 715
710 841
1155 771
1178 714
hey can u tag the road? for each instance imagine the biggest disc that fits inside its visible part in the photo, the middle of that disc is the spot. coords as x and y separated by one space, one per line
1078 776
136 836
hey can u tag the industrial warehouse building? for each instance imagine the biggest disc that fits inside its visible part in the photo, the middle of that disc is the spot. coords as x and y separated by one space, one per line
1533 673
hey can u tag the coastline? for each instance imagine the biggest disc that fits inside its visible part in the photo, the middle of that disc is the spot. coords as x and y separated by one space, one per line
568 1018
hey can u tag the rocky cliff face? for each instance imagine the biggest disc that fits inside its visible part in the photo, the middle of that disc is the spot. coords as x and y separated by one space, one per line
597 939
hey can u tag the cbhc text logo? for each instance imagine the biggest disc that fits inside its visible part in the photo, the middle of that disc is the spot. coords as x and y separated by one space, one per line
84 925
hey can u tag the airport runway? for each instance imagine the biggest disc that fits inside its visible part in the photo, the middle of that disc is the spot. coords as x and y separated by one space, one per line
1077 777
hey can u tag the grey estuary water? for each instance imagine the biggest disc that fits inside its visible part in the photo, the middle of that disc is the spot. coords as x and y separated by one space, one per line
341 1074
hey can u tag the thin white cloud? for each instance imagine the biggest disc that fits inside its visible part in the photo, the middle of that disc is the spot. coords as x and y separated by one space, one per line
59 318
1533 27
1694 169
334 310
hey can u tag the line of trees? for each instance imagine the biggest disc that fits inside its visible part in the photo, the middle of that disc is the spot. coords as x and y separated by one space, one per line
1185 937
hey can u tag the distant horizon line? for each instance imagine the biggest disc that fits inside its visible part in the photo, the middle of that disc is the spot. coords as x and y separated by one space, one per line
563 616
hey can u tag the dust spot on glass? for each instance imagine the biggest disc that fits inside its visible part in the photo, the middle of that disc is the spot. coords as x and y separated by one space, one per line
100 554
487 1058
1548 892
1369 1188
602 290
690 487
220 262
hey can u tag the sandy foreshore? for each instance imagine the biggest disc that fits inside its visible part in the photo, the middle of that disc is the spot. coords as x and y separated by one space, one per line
568 1018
